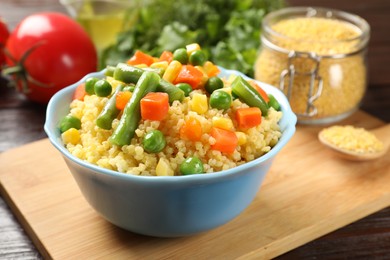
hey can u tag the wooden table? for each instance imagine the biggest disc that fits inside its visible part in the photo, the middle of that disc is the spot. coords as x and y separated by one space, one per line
21 122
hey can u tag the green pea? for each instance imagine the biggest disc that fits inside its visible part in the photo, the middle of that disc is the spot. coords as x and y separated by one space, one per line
69 122
198 58
181 55
154 141
273 102
213 84
90 85
102 88
191 165
220 100
185 87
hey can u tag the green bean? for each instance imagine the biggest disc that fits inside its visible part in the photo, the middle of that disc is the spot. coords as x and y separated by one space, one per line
130 74
109 71
127 73
159 71
248 94
173 92
132 114
129 88
273 102
109 112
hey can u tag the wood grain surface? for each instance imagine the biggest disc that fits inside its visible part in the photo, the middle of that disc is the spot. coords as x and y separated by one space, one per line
292 207
21 122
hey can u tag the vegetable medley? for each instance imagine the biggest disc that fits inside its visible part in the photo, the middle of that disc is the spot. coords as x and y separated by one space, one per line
172 115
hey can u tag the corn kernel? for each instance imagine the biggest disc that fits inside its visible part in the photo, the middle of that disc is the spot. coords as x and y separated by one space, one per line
71 136
192 47
227 90
231 78
210 68
199 103
172 71
114 83
163 168
160 65
222 122
241 138
141 66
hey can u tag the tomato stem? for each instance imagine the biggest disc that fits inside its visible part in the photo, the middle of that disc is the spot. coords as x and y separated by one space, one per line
19 72
12 70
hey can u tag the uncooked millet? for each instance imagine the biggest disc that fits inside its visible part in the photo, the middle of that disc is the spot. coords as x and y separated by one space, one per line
352 138
344 79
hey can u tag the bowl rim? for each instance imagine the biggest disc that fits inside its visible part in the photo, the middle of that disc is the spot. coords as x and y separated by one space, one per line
288 129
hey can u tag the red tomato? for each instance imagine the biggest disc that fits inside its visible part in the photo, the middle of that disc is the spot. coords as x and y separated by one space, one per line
53 52
4 33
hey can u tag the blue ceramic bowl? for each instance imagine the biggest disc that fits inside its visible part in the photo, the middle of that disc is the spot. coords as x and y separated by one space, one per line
167 206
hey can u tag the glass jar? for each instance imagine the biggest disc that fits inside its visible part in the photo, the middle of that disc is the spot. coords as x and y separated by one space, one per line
317 57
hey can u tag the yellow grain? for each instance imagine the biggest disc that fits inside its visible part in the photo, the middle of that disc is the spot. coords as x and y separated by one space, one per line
352 138
344 79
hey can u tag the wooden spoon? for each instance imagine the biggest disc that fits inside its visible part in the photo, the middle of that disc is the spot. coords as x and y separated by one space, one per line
382 133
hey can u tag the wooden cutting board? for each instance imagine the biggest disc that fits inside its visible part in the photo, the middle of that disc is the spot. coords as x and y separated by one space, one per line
308 192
